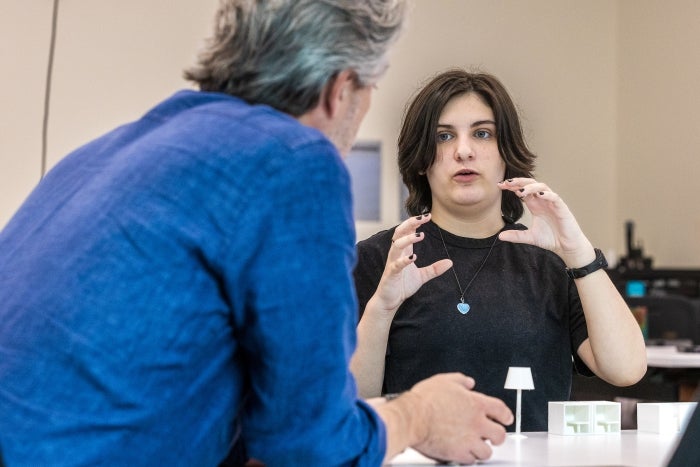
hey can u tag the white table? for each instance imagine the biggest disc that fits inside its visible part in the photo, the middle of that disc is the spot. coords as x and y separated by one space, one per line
541 449
667 356
685 366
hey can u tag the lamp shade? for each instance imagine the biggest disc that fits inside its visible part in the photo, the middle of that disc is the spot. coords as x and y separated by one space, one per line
519 377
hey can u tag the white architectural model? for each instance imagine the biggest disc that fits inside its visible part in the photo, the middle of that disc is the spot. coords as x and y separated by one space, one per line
664 417
584 417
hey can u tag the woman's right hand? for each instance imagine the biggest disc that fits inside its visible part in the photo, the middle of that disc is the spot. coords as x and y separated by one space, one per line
401 278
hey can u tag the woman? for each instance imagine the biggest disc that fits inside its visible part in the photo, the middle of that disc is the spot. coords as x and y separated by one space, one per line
460 286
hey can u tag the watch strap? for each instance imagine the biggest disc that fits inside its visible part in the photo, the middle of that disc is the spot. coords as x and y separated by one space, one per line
598 263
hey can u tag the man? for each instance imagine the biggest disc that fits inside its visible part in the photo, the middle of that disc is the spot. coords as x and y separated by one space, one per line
179 291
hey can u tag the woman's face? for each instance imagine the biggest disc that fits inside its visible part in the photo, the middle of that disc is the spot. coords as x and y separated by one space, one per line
467 164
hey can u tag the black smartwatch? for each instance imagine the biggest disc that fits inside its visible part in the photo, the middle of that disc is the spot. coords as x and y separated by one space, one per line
598 263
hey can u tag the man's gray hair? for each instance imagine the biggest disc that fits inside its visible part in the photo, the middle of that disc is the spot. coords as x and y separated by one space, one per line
282 52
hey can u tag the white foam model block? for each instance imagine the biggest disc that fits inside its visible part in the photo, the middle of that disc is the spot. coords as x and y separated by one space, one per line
663 417
584 417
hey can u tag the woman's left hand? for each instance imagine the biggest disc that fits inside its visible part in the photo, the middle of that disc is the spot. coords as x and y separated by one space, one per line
616 357
554 227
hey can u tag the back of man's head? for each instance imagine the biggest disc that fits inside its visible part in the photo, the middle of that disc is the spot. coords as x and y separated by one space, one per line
282 52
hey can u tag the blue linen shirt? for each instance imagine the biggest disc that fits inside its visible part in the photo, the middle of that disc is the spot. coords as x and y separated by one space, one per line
180 284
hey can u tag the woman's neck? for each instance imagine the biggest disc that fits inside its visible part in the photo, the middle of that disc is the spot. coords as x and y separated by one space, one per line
480 226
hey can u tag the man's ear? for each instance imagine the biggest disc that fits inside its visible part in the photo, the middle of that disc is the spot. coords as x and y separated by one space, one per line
338 92
335 97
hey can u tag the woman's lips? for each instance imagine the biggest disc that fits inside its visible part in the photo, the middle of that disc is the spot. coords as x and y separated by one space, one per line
465 176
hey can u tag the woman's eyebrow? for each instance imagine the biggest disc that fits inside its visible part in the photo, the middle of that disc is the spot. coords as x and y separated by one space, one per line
483 122
476 123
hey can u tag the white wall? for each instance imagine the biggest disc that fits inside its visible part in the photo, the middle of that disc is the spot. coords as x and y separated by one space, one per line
606 91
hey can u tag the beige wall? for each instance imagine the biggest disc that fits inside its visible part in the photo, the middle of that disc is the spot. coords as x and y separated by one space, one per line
558 60
659 126
605 90
114 59
24 35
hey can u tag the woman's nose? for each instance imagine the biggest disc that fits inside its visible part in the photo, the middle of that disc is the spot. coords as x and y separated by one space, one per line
464 150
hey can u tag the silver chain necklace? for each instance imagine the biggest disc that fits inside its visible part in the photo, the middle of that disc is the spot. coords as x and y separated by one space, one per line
463 307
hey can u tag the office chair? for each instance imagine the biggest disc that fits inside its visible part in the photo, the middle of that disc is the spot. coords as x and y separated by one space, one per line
670 317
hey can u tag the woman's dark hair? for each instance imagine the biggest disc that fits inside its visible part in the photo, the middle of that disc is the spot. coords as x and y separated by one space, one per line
417 145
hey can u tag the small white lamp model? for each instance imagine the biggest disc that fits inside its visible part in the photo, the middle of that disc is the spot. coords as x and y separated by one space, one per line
519 378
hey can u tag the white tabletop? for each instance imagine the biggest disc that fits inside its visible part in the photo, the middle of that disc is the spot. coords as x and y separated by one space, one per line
625 448
667 356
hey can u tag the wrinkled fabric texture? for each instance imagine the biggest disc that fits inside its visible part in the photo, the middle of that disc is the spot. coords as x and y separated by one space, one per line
180 285
525 312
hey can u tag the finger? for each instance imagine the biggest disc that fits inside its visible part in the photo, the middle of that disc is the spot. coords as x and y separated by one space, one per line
516 182
495 433
516 236
410 225
399 264
523 186
461 454
546 198
462 379
406 240
436 269
467 459
482 450
534 189
546 194
498 411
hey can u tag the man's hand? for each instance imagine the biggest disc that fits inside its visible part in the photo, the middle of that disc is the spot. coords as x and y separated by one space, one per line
448 421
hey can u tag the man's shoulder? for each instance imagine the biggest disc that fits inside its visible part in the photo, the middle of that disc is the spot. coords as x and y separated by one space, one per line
220 113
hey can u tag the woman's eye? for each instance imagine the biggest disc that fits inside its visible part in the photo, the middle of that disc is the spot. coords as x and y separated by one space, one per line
482 134
442 137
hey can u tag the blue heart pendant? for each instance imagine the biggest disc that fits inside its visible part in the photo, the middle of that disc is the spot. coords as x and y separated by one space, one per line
463 308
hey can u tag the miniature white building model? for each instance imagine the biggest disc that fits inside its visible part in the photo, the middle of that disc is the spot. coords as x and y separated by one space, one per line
584 417
664 417
519 378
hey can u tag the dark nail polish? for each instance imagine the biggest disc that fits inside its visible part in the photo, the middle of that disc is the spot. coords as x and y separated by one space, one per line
509 180
521 190
419 217
417 234
412 257
541 193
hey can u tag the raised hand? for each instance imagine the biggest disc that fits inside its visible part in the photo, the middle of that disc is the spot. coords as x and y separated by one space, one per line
401 278
554 226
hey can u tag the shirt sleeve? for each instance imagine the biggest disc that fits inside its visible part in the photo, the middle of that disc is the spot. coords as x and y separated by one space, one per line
298 327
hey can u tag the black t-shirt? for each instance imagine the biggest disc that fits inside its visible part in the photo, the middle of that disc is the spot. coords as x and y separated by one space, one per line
525 311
